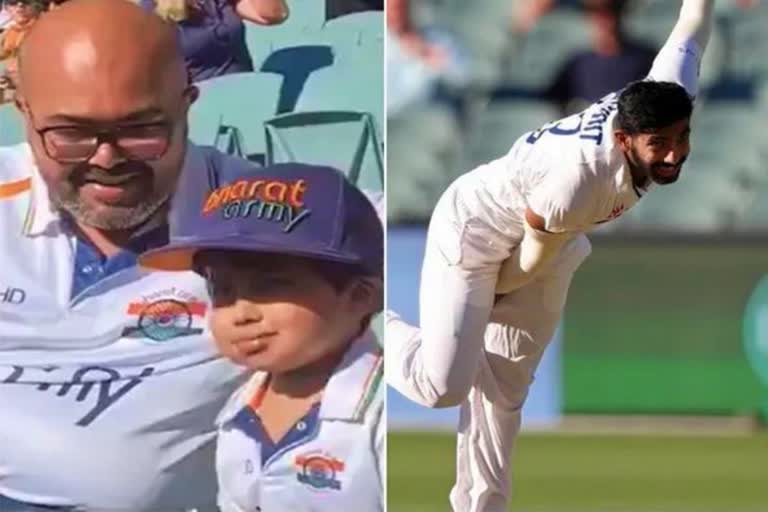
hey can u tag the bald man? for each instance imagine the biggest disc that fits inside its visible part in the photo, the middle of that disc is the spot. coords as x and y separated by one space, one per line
109 382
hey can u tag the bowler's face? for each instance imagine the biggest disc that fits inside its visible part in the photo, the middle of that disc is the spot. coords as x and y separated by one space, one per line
660 155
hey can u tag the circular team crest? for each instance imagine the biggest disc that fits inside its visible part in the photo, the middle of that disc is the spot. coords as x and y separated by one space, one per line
165 319
319 471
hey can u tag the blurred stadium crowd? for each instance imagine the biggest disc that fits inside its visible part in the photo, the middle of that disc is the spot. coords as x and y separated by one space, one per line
280 82
467 78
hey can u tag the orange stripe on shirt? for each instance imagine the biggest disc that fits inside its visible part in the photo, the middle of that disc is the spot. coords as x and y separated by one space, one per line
14 188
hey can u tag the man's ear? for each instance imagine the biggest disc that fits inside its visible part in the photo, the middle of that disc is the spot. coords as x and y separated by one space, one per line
623 139
20 104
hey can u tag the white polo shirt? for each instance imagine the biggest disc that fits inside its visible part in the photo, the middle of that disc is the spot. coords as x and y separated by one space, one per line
332 460
108 398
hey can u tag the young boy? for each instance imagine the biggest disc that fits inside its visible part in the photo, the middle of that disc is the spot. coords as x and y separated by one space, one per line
293 255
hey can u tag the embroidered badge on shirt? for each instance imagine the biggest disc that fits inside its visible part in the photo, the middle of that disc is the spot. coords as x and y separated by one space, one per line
319 471
165 315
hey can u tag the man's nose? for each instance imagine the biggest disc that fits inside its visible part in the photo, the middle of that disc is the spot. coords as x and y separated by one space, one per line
107 155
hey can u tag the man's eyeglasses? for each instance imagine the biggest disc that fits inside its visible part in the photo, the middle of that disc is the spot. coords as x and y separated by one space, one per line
76 144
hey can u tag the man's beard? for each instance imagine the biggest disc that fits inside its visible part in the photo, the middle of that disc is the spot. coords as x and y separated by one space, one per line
661 179
117 218
109 217
649 171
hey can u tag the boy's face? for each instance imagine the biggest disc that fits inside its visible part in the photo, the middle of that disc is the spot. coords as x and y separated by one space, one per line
277 314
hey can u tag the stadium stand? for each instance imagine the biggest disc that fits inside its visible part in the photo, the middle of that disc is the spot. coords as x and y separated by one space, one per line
301 103
315 136
11 125
722 179
305 65
228 113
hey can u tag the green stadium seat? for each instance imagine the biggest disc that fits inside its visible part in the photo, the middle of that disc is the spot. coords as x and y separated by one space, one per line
728 131
230 112
538 57
501 124
652 20
747 41
424 155
302 27
11 125
364 28
754 216
356 86
483 28
342 139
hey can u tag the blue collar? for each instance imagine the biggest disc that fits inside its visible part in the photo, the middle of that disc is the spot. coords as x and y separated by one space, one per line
91 266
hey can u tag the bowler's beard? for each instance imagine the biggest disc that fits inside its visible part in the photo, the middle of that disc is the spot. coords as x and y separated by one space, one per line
662 179
109 217
643 174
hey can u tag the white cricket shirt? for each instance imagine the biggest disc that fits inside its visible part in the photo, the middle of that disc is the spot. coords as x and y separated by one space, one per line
570 171
109 398
332 460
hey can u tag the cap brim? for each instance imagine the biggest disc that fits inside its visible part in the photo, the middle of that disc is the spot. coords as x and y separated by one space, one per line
179 255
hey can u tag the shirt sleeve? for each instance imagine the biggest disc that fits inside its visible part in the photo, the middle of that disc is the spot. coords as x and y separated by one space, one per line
567 201
678 61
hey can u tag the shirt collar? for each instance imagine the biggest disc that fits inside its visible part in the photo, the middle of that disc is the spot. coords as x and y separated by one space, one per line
42 218
349 391
355 381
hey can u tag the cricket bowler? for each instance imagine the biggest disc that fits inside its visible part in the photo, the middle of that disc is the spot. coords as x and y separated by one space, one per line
505 239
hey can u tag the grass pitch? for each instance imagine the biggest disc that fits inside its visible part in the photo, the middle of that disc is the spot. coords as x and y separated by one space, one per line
576 473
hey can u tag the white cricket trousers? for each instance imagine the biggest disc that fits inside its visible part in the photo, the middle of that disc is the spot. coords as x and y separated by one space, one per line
475 349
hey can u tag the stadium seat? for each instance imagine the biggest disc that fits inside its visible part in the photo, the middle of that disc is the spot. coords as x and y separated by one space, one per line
295 64
482 29
728 132
230 111
501 124
342 139
11 125
747 41
538 57
364 28
652 20
357 86
754 215
424 155
302 27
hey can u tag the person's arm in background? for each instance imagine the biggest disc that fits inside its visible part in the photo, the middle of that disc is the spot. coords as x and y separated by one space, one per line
262 12
399 23
528 12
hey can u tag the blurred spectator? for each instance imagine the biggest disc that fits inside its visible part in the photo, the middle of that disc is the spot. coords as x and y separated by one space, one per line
336 8
21 15
614 59
5 18
400 25
423 64
213 33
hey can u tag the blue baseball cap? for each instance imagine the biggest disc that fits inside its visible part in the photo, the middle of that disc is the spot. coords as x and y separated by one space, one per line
298 209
